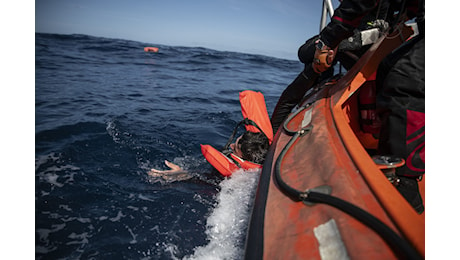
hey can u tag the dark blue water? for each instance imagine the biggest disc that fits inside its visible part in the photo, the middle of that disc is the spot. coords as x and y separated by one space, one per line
106 112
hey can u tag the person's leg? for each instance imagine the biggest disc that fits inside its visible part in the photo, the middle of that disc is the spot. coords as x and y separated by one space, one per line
401 104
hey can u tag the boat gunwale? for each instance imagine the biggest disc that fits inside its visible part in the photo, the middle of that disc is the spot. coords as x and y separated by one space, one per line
410 223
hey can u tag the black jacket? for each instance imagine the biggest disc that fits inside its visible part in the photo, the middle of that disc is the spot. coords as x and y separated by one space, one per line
350 13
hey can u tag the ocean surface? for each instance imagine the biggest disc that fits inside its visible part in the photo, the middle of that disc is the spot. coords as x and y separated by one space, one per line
106 112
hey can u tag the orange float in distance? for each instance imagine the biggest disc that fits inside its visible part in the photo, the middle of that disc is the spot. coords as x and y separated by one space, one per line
150 49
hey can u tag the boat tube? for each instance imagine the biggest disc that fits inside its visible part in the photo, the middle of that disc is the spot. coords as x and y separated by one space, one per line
320 193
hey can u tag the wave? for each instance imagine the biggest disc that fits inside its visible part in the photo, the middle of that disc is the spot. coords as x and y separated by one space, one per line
107 112
110 45
226 226
69 131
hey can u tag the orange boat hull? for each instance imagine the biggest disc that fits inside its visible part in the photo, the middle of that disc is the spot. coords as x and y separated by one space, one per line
332 153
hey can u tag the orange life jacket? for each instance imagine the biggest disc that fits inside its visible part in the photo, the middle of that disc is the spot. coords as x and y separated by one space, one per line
253 108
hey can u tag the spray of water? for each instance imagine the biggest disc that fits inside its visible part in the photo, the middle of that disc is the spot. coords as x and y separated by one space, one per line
227 224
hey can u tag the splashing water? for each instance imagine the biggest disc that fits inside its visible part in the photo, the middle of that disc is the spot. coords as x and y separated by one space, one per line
227 224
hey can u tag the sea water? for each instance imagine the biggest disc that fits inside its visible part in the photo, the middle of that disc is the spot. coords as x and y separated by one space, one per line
106 112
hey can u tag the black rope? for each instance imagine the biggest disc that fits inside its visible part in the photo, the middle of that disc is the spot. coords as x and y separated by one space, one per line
245 121
401 246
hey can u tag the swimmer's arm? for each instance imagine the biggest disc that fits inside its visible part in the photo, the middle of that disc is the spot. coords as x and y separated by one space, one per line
174 169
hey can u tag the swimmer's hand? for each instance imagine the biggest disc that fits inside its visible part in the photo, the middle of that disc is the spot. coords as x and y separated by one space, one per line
174 169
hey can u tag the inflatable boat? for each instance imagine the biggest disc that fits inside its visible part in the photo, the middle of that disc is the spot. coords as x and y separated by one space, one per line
321 194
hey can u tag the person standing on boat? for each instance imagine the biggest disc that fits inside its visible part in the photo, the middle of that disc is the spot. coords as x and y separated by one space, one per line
400 86
401 107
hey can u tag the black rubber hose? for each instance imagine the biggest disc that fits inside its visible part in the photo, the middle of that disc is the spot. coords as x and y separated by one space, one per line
288 190
394 240
401 246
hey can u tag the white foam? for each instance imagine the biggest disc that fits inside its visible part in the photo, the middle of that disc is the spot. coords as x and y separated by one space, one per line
52 179
79 238
133 235
66 207
111 128
142 197
227 223
118 217
57 176
44 232
40 160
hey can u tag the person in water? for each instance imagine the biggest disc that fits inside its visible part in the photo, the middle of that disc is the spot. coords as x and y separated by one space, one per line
249 146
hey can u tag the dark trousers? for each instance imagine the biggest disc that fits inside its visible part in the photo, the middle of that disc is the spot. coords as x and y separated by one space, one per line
401 106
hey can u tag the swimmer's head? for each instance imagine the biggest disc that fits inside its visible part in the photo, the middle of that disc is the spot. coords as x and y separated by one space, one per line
252 147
